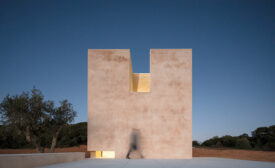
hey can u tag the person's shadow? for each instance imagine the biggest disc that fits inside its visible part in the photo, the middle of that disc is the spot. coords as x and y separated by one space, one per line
134 144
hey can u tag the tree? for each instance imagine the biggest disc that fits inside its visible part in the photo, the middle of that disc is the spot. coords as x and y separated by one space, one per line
264 138
243 143
27 114
72 135
211 142
10 137
219 144
58 118
195 143
228 141
35 118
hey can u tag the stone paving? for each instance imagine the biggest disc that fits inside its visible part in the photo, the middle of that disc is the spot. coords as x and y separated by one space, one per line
165 163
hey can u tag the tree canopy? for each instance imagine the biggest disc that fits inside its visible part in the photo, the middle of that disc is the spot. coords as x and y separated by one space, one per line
32 116
263 138
70 135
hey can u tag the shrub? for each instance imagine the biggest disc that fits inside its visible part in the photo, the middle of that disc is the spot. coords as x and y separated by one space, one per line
195 143
243 143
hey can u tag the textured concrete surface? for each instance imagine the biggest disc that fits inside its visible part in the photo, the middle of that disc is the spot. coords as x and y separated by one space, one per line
38 159
163 115
165 163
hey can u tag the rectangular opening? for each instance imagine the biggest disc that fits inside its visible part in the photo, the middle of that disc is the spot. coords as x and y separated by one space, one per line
103 154
141 82
108 154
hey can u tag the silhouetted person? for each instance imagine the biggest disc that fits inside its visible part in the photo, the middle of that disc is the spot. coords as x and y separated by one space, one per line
134 143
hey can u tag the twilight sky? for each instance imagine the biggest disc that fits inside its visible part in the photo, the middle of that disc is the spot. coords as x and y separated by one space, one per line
44 44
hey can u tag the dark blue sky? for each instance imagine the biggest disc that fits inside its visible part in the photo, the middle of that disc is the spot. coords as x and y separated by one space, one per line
45 43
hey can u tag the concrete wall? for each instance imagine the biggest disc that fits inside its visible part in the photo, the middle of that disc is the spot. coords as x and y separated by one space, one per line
163 115
39 159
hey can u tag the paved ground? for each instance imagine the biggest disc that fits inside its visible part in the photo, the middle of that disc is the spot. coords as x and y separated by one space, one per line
266 156
162 163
